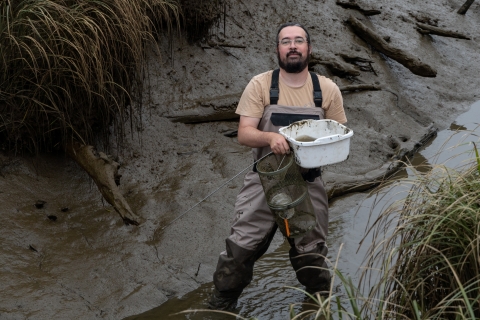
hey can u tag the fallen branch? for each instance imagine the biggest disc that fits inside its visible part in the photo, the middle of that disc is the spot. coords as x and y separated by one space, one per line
336 67
348 184
363 63
463 9
355 6
410 62
208 109
354 59
428 29
104 172
360 87
228 53
424 18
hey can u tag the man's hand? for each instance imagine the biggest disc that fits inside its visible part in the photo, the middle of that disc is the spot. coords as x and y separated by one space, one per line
278 144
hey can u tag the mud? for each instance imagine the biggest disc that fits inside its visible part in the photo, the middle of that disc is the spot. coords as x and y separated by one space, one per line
86 264
274 288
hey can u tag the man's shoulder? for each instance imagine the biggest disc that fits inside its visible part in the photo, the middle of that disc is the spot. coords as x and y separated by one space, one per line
263 77
327 81
327 84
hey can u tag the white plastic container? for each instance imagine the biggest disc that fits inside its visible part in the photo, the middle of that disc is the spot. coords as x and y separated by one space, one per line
318 142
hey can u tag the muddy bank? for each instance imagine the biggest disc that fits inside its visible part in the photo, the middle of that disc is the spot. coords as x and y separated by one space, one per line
86 264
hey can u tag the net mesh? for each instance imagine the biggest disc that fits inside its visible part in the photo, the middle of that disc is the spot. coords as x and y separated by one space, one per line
287 194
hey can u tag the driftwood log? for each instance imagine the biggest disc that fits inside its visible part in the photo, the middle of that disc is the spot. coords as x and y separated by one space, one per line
353 5
428 29
336 66
208 109
378 43
348 184
354 59
360 87
223 107
424 18
104 172
363 63
463 9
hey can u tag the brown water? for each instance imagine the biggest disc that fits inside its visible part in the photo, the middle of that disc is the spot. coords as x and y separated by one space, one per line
269 295
305 138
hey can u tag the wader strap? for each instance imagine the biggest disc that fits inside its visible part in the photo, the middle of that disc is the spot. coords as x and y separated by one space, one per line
317 91
275 92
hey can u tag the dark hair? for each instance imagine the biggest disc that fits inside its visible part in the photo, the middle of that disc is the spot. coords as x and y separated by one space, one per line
293 24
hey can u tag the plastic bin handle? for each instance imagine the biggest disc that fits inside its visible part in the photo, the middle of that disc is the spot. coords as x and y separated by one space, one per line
332 138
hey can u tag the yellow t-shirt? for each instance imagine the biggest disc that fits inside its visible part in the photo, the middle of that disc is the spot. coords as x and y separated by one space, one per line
256 97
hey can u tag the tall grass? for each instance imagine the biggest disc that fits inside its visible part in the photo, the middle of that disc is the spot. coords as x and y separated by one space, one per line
429 265
70 67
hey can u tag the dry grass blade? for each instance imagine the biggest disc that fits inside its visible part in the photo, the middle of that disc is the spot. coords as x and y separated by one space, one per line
70 67
429 261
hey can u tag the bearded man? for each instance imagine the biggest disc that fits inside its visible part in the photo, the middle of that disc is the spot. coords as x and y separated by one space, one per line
272 100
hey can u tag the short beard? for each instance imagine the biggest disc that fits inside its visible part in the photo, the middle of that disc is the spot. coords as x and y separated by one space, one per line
293 67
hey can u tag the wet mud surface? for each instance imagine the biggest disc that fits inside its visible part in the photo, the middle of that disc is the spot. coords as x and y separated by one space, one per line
274 287
83 263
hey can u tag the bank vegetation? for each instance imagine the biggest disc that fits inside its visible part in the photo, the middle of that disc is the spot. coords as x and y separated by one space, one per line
73 72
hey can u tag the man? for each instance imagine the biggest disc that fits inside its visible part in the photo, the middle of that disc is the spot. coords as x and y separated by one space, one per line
298 96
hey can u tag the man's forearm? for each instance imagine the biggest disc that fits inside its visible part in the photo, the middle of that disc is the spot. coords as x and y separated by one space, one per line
254 138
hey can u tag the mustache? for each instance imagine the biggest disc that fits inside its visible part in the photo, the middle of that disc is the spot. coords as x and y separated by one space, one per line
293 52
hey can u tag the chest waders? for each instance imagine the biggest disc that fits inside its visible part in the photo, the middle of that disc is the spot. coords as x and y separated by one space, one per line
254 224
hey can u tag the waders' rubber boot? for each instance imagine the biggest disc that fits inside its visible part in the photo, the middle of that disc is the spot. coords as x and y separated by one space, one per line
235 271
314 273
324 288
235 268
223 302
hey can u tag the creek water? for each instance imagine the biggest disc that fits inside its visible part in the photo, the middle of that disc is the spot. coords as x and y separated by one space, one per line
272 292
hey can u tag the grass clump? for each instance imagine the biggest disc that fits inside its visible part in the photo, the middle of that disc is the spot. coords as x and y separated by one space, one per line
69 67
430 263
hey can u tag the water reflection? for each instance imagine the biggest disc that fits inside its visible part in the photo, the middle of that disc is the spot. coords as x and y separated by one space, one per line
421 163
350 217
453 146
456 127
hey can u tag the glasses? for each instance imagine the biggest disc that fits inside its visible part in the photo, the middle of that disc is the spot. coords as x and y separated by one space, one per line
297 41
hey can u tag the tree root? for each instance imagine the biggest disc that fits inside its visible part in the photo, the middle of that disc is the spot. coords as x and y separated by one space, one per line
428 29
378 43
355 6
104 172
